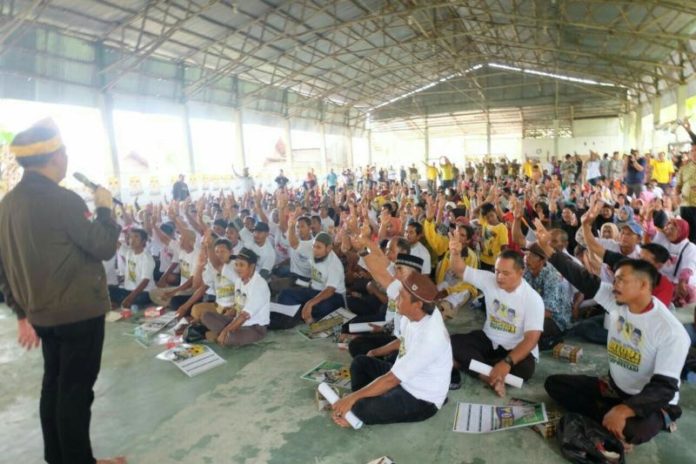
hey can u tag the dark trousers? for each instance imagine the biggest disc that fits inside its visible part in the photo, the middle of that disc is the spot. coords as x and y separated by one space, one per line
72 358
363 344
591 329
551 336
396 405
593 397
688 213
366 305
476 345
118 294
300 296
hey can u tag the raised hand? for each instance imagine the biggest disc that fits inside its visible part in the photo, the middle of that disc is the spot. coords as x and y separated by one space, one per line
543 237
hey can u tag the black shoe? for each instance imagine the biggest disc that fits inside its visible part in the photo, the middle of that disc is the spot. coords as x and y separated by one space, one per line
455 380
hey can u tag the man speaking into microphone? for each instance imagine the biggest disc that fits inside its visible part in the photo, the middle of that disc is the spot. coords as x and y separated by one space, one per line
52 277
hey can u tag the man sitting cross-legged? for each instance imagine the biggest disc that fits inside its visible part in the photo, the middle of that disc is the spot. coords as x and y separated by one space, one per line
415 387
514 320
647 348
248 322
139 269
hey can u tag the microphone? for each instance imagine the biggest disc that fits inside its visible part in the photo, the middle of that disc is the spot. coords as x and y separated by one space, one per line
91 185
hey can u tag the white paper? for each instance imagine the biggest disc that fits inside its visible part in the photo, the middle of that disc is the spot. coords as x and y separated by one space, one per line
362 327
485 418
485 369
288 310
331 396
192 359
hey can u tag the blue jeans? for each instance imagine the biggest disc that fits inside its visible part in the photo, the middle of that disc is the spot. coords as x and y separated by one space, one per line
300 296
396 405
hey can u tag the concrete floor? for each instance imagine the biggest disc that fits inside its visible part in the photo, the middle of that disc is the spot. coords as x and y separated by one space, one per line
256 409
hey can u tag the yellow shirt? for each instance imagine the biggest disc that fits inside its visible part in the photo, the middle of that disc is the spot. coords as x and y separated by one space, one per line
686 181
527 168
431 173
447 171
494 239
662 171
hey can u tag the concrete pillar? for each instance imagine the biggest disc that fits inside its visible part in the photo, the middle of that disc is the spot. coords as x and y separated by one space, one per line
237 121
189 139
322 149
489 142
556 136
288 144
350 156
369 146
656 107
427 140
638 134
106 108
681 101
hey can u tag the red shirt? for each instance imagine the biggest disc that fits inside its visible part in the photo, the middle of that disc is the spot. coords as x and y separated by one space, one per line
664 291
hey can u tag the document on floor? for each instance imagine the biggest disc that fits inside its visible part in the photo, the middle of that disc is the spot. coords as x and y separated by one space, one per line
332 373
288 310
192 359
326 326
147 332
484 418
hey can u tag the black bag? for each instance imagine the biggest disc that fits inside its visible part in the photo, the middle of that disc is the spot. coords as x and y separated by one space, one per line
582 441
194 333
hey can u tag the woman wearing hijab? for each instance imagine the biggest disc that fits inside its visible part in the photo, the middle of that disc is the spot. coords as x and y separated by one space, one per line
680 268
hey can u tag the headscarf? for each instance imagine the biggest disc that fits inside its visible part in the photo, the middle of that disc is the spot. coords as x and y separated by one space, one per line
682 229
614 230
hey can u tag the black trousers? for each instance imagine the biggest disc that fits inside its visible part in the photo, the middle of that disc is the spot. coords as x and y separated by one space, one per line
476 345
593 397
396 405
688 213
72 358
551 336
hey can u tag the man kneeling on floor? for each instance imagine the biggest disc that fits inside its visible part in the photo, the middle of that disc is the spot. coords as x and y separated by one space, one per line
647 348
252 302
415 387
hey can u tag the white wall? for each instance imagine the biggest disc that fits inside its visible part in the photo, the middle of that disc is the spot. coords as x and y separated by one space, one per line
603 135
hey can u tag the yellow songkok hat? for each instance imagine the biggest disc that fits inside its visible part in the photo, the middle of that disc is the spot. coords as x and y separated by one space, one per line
42 138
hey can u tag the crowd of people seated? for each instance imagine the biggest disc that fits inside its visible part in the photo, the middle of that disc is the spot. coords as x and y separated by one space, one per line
601 248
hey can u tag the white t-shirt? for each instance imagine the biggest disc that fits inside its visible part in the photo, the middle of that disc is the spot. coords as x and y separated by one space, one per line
642 345
266 254
221 284
326 223
246 236
254 298
187 264
138 267
328 273
686 249
508 314
393 313
169 254
593 169
424 363
420 251
300 257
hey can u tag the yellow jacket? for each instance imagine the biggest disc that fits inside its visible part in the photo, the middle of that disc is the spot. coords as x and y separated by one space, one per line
440 245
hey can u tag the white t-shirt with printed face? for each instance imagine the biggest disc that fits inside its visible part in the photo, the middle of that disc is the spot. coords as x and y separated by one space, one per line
328 273
326 223
221 284
420 251
508 314
424 363
187 264
393 313
642 345
138 267
169 255
254 298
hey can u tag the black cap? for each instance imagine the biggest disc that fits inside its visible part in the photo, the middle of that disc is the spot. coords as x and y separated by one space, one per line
261 227
247 255
403 259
